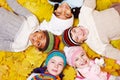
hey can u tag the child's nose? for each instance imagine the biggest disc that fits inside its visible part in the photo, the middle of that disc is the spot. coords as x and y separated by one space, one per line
81 59
37 42
56 66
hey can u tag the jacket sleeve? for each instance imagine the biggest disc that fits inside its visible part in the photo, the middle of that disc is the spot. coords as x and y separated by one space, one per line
112 52
18 9
90 3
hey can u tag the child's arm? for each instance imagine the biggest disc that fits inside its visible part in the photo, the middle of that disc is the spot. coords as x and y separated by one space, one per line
18 9
112 52
90 3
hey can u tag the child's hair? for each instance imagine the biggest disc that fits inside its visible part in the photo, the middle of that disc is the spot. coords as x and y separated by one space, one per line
56 6
76 11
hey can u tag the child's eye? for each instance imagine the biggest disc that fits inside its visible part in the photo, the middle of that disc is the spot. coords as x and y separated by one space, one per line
52 62
82 54
76 59
61 64
73 30
57 13
68 15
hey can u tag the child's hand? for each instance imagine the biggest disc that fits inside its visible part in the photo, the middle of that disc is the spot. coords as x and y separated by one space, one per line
100 62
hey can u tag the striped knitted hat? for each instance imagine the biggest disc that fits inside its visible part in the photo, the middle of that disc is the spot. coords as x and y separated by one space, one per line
51 43
67 38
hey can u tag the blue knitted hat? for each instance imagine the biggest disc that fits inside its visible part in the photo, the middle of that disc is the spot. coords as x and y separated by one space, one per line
55 53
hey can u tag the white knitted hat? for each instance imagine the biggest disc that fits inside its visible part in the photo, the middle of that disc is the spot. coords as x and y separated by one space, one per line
56 25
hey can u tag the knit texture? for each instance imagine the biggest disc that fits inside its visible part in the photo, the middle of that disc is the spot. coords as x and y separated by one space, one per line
55 53
67 38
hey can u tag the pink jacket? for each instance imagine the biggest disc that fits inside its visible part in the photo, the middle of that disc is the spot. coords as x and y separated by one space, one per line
92 72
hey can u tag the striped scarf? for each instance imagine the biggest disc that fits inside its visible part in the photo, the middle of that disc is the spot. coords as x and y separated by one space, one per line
45 76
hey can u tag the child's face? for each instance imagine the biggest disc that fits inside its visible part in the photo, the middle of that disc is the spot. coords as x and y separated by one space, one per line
63 11
79 34
38 39
55 65
81 60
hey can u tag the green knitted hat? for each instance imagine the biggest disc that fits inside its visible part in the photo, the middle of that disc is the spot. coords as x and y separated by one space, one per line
50 42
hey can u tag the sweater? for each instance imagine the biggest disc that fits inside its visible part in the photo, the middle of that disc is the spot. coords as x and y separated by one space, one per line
16 27
103 27
91 72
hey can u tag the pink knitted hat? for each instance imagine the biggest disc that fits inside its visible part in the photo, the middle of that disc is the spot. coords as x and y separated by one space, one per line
71 52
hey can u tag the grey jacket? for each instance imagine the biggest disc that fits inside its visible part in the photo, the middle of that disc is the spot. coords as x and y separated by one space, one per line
11 25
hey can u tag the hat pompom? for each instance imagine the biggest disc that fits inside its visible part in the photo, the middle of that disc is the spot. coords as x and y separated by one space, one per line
66 49
68 54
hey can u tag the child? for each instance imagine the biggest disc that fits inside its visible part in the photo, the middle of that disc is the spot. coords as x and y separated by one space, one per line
86 69
61 19
96 27
20 30
54 64
44 41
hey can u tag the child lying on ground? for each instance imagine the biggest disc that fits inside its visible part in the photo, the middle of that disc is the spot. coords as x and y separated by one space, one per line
19 30
86 69
54 65
96 29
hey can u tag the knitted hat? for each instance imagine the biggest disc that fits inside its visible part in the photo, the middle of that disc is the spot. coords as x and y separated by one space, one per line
56 25
51 42
71 52
67 39
55 53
